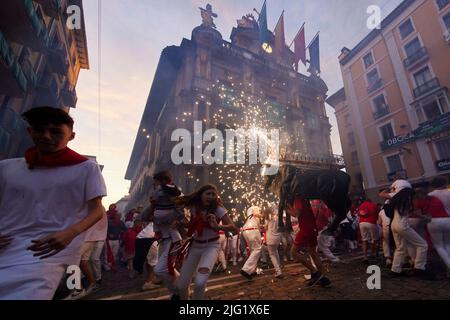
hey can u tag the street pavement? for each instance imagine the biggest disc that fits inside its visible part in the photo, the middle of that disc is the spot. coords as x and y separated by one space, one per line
349 282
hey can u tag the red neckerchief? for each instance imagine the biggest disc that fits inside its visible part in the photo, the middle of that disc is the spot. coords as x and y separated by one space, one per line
197 224
62 158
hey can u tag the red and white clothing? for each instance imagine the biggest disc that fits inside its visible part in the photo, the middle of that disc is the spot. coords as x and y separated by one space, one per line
273 240
439 227
307 235
33 204
252 236
368 217
444 196
202 255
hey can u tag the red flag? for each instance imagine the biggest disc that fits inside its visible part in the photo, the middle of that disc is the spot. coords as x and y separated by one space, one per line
280 41
300 46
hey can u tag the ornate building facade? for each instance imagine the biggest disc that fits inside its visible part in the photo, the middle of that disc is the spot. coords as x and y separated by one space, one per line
228 85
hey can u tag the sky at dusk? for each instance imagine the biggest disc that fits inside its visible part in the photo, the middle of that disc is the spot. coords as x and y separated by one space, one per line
133 34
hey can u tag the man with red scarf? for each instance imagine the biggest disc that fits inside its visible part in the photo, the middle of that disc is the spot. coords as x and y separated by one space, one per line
48 199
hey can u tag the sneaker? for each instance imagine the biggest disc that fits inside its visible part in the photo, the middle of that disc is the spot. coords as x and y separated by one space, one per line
325 282
407 265
278 274
424 274
388 263
149 286
315 277
95 287
131 274
246 275
79 294
393 274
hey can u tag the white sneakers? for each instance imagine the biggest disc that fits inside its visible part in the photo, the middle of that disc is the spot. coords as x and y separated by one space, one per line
278 274
79 294
150 286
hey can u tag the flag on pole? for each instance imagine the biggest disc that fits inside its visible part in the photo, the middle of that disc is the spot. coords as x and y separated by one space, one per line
300 46
280 41
263 31
314 54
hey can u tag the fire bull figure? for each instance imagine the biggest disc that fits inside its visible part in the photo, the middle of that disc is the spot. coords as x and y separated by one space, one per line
330 186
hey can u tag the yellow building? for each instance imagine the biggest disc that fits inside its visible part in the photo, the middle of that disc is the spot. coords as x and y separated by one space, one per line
393 117
40 60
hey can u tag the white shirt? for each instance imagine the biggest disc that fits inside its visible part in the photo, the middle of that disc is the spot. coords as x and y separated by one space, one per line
35 203
208 233
273 236
98 231
444 196
147 232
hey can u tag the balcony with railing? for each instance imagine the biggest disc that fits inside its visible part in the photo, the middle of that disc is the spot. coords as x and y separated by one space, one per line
13 81
415 58
376 85
20 23
447 36
52 8
381 112
427 87
46 94
69 97
442 3
401 174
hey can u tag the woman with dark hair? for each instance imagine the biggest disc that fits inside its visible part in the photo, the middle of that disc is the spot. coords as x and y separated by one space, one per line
207 211
404 234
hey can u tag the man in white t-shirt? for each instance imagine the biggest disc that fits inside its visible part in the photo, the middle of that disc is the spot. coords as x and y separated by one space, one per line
47 201
90 263
440 191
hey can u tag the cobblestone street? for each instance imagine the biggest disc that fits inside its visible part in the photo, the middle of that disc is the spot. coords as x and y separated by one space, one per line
348 282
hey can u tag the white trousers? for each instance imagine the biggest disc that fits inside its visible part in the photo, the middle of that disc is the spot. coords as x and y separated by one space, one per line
418 226
405 236
115 246
253 240
95 259
234 246
274 256
385 231
161 269
439 229
222 251
325 243
200 261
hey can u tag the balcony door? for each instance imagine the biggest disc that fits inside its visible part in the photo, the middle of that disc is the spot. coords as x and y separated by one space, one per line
423 76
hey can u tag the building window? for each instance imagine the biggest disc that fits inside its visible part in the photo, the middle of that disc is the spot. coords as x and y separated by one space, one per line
368 60
433 108
379 103
413 47
442 3
406 28
387 132
351 139
423 76
347 120
355 160
446 19
372 77
394 163
443 147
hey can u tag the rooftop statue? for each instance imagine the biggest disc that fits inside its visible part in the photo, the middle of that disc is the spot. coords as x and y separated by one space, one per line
207 16
248 21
